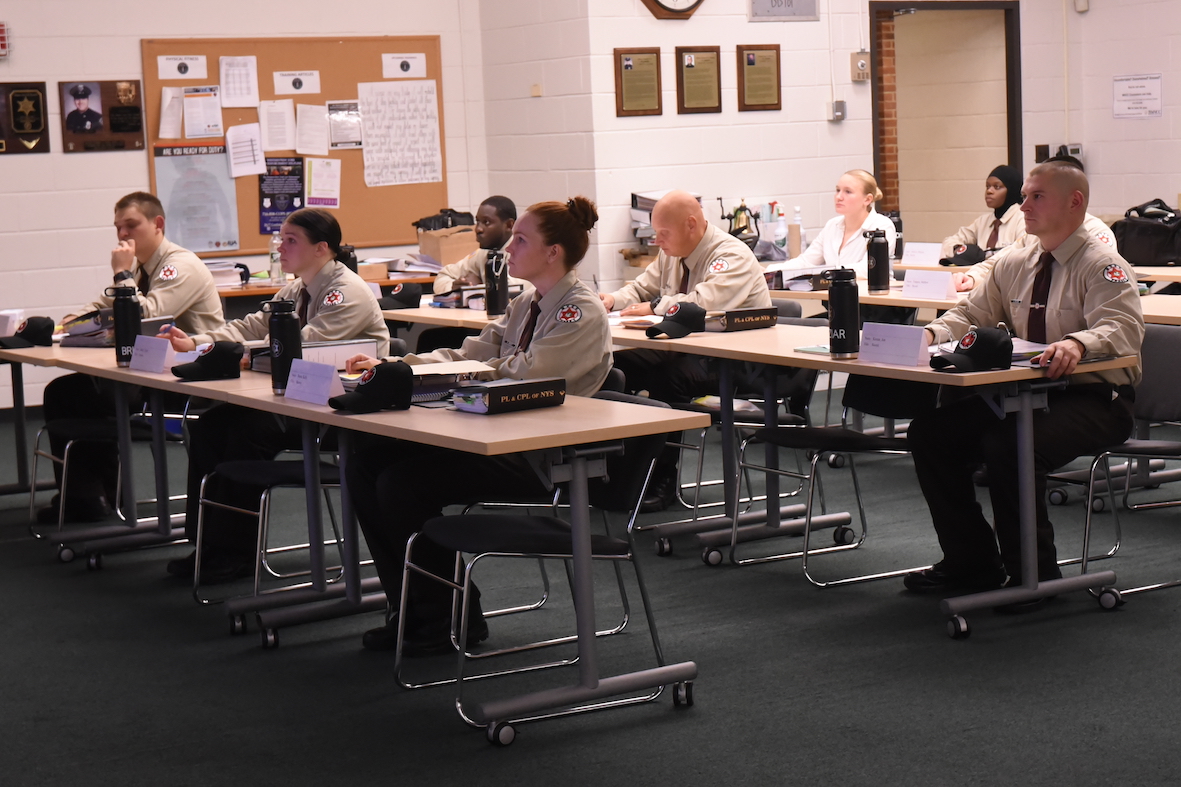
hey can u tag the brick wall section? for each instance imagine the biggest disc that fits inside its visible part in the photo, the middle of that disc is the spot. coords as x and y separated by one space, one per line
887 142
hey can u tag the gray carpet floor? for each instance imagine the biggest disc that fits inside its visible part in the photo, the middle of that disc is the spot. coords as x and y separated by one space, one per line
117 677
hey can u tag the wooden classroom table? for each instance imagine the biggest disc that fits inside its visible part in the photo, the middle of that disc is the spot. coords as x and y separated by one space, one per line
893 298
264 288
1161 309
578 421
432 315
1020 388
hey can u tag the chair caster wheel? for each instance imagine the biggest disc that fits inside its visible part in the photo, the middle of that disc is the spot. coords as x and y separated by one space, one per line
664 547
957 627
843 536
1110 598
1058 497
65 554
711 556
94 562
1098 504
836 461
500 733
270 639
683 694
238 625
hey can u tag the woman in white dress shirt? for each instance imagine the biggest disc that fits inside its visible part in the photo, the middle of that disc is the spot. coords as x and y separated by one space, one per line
841 243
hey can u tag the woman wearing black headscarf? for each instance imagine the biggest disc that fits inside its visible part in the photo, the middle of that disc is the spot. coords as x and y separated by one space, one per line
1001 225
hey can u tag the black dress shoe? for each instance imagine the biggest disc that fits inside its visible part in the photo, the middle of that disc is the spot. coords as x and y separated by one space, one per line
77 510
182 567
937 580
1033 604
382 638
218 569
662 490
433 637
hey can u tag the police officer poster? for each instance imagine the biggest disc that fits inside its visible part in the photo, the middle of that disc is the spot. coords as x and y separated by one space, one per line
22 118
98 116
280 193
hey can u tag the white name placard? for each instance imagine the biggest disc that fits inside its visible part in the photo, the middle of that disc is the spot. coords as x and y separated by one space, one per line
935 285
152 354
314 383
897 344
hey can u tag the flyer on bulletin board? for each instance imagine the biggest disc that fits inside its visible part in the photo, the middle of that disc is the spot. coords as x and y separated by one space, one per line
199 196
280 193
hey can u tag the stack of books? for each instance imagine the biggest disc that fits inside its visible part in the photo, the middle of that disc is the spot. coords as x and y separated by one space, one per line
225 272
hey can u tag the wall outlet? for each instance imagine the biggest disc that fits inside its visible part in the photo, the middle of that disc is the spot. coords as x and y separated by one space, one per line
836 111
859 66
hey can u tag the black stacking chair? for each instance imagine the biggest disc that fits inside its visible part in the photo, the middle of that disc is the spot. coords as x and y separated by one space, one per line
524 536
873 396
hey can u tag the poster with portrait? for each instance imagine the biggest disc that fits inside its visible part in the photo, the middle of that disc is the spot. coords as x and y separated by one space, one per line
23 111
102 115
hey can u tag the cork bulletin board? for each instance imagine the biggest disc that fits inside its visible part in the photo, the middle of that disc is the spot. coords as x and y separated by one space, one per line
369 215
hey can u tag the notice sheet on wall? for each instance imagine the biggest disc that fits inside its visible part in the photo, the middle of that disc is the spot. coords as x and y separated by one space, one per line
199 196
280 193
400 126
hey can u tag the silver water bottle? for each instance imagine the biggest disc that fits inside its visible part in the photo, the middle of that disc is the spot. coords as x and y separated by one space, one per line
844 313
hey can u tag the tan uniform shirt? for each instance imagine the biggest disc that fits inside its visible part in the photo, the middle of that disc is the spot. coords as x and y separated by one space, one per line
571 339
1093 298
723 274
471 266
1012 229
341 306
178 284
1092 224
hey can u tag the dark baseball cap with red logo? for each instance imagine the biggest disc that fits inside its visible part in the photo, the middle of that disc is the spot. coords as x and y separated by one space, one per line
402 296
981 349
218 361
681 319
386 386
33 331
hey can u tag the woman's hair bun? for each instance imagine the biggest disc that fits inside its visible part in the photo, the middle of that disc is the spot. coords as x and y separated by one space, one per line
583 211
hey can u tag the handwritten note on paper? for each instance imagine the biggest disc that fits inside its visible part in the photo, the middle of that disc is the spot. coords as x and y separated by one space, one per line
936 285
898 344
314 383
152 354
400 126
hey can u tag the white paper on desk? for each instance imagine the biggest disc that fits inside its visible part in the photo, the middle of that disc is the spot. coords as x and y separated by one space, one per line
408 66
277 119
202 112
314 383
172 112
311 130
181 67
289 83
244 146
933 285
920 254
450 367
902 345
152 354
239 81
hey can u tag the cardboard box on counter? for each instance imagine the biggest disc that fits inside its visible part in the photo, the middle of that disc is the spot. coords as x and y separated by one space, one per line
448 245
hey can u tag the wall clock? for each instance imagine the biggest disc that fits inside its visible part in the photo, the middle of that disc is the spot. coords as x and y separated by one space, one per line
672 9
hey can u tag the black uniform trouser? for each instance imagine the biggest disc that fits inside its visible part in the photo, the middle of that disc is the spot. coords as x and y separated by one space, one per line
397 486
949 442
93 465
224 433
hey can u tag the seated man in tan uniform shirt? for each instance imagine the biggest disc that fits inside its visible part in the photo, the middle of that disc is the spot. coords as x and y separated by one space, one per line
698 263
171 281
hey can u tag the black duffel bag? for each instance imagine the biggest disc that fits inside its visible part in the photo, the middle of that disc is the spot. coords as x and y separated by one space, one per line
443 219
1149 234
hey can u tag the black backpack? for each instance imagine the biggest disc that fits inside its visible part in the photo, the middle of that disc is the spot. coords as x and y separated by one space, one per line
1149 234
443 219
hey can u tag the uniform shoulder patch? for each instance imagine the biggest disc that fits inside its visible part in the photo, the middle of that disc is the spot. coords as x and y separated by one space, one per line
719 266
1106 237
1116 274
168 273
334 298
569 313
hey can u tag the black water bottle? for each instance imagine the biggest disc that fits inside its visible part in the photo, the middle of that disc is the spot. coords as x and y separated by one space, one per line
899 243
285 342
128 317
877 257
496 283
844 313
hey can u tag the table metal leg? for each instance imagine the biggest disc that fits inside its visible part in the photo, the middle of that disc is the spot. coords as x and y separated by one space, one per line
311 475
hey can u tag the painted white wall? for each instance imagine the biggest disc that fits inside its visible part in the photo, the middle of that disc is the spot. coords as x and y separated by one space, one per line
56 209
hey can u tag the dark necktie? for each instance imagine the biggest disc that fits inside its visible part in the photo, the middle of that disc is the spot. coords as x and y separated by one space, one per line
1037 300
143 282
995 236
304 301
684 278
530 326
